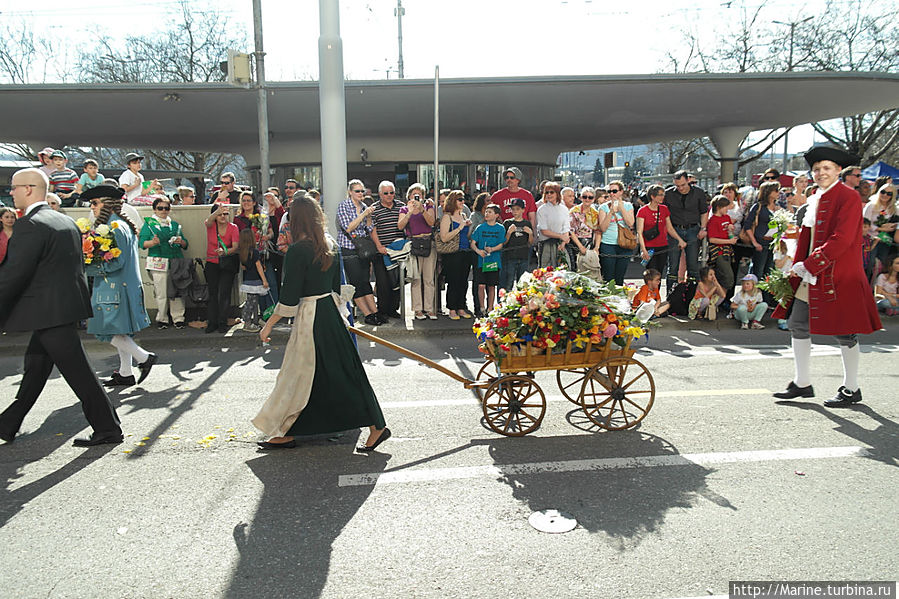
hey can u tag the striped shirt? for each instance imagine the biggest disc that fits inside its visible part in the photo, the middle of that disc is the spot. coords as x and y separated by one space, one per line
346 213
64 180
385 220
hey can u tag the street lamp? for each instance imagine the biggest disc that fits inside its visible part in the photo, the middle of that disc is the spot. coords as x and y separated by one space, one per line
792 25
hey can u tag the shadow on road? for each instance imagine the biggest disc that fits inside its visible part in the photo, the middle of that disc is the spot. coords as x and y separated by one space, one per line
627 504
883 440
285 551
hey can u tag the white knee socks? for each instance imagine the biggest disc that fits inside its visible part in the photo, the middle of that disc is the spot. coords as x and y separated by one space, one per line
850 366
802 355
128 349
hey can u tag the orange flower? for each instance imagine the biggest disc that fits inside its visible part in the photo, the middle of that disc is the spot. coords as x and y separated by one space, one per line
87 246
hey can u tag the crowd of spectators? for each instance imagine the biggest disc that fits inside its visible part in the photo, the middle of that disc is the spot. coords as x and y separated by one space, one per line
711 252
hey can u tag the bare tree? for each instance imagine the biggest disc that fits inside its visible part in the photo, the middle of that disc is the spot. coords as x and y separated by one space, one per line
190 50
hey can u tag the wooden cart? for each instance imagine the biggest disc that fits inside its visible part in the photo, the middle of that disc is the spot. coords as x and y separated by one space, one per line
614 390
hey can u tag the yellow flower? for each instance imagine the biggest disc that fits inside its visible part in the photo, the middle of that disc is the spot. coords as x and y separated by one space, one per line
114 225
116 252
579 290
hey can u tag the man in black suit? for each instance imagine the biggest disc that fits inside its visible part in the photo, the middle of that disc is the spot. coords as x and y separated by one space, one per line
43 290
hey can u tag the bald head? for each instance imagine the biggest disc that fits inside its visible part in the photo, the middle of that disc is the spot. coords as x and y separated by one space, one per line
29 186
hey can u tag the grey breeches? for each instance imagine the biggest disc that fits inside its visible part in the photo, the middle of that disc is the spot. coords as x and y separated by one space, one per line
799 329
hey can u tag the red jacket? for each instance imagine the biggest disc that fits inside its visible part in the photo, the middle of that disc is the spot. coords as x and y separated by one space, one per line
841 302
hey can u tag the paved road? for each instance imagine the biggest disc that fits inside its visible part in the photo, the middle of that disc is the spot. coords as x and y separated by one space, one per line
188 508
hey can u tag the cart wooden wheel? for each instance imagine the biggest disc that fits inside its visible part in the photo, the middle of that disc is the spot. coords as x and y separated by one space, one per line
514 405
570 381
487 372
617 393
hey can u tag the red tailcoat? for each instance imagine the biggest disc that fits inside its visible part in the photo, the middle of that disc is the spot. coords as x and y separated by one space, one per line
841 302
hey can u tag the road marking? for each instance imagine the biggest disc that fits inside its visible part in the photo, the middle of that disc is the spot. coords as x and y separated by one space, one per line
437 403
686 459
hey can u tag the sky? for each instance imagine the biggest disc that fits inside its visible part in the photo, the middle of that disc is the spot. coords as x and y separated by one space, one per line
466 38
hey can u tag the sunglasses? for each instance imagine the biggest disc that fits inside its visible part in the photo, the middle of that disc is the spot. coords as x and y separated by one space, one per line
357 190
770 178
388 193
225 182
614 190
290 188
510 177
888 194
164 208
587 197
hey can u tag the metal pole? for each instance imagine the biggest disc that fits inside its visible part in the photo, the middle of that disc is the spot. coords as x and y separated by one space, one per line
332 108
399 11
261 101
436 131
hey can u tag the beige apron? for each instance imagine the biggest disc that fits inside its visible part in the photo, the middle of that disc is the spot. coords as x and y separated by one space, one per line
294 383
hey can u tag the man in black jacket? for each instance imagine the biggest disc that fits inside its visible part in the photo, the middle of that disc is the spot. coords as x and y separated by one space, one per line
43 290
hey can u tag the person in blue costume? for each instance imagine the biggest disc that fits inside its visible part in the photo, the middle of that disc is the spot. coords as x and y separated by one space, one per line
321 386
117 297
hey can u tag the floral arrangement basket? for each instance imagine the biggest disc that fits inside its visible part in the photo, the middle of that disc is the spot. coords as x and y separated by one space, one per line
556 319
98 243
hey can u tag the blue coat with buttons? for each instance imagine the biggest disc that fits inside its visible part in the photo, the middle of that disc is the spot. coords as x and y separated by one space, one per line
118 295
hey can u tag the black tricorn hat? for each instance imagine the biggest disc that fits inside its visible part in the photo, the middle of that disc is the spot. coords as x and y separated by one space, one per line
832 153
103 190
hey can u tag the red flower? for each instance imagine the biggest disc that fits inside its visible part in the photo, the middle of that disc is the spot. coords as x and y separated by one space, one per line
558 321
585 311
556 338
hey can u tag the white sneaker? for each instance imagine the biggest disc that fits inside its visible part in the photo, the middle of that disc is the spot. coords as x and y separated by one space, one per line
744 325
757 325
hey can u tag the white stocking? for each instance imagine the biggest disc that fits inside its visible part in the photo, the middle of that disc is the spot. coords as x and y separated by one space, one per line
126 344
802 355
850 366
125 364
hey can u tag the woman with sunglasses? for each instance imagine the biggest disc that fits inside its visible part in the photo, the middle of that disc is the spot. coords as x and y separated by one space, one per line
163 239
222 239
584 222
354 221
118 298
615 213
881 211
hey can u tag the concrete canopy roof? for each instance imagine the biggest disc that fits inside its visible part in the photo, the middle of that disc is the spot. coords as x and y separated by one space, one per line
530 119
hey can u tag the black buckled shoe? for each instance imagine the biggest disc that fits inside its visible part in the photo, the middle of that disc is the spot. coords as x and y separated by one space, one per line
99 439
145 367
792 391
118 380
844 398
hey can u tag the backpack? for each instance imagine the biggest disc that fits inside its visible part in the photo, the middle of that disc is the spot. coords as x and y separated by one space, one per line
680 297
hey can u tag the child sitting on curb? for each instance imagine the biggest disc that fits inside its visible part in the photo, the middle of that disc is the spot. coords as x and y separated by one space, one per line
709 293
748 305
650 292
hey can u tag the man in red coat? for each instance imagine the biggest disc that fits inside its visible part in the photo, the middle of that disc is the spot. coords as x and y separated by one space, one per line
832 294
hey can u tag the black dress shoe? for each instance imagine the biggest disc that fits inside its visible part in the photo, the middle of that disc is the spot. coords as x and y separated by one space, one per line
9 438
118 380
792 391
370 448
270 446
392 314
844 398
95 439
145 367
372 319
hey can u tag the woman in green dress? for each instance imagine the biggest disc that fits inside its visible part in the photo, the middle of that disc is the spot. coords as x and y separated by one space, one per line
321 387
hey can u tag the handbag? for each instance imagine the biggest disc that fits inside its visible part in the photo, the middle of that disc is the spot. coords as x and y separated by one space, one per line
421 245
447 247
157 263
627 239
654 232
365 247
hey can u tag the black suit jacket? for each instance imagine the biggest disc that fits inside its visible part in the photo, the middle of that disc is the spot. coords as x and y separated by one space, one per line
42 281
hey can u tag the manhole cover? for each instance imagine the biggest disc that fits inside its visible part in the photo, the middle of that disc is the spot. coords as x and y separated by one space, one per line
552 521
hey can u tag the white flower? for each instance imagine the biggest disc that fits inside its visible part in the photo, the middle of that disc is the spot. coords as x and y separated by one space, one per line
103 230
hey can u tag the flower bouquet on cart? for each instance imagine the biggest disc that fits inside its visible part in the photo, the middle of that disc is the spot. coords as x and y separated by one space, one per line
549 308
98 243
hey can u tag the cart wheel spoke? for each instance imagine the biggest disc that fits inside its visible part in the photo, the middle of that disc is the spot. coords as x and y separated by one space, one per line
514 405
639 407
633 380
570 381
614 408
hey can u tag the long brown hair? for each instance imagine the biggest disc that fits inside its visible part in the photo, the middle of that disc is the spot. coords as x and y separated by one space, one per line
307 222
245 243
452 201
113 206
765 191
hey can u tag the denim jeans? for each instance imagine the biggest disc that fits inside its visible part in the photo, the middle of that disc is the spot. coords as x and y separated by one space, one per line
690 235
613 261
512 271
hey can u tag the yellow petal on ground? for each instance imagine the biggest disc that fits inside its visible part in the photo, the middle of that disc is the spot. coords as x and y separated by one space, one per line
140 443
59 434
217 426
145 438
126 451
230 430
175 437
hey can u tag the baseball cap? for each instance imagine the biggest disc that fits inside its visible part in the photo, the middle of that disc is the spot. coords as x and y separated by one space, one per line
517 202
59 154
132 156
48 151
751 277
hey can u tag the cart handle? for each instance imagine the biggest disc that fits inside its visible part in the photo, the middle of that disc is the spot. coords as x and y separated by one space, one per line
417 357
